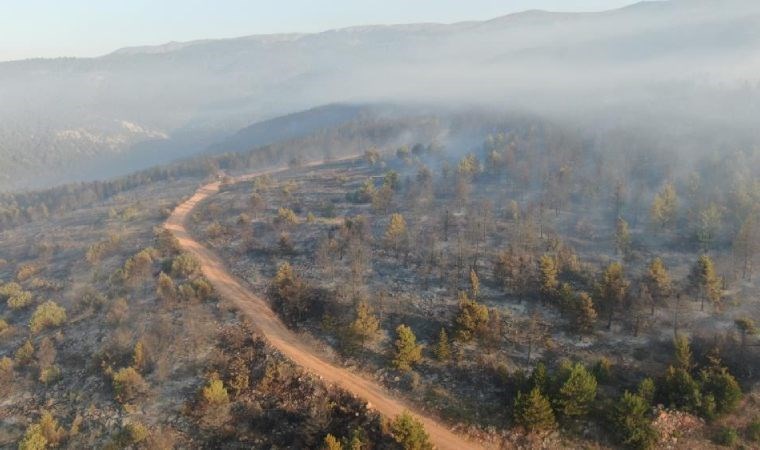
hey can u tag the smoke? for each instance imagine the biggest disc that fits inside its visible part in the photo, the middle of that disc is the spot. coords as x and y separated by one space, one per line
684 70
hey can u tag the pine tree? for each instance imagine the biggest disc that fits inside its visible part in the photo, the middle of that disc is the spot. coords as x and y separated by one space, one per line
139 360
632 424
471 320
658 282
746 244
365 326
704 281
443 348
647 390
474 284
166 290
746 328
718 383
53 432
664 207
681 390
612 289
395 232
539 378
708 225
358 440
680 387
622 237
410 433
577 393
548 283
584 314
682 355
408 352
533 411
288 293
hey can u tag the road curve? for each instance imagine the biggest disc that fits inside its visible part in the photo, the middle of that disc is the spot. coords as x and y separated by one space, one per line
286 341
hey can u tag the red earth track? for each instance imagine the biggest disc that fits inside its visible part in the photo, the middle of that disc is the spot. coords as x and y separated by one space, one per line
286 341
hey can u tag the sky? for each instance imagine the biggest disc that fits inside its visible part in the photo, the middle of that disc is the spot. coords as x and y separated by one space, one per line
53 28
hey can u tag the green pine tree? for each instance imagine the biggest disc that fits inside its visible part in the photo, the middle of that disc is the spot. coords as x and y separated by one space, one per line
632 424
577 393
548 283
443 348
408 352
533 411
410 433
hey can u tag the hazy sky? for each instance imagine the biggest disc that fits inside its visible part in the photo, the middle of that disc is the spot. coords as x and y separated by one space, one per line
49 28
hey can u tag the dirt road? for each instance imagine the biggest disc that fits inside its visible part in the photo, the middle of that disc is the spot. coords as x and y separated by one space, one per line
287 342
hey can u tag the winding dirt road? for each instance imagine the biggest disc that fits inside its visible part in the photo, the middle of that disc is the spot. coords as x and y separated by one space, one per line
287 342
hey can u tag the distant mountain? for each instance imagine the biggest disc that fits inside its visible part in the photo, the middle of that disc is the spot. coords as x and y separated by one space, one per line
59 115
290 126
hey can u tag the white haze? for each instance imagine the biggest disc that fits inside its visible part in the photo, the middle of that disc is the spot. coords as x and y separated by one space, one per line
663 66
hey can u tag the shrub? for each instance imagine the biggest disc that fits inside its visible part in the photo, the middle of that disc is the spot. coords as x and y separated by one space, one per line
50 374
42 435
138 266
24 353
238 374
286 216
647 390
214 230
166 242
134 433
603 369
364 194
185 265
47 315
53 433
165 289
410 433
753 428
3 325
186 292
15 296
139 358
203 288
33 439
25 272
91 298
331 443
117 312
215 394
727 436
20 300
6 370
128 385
